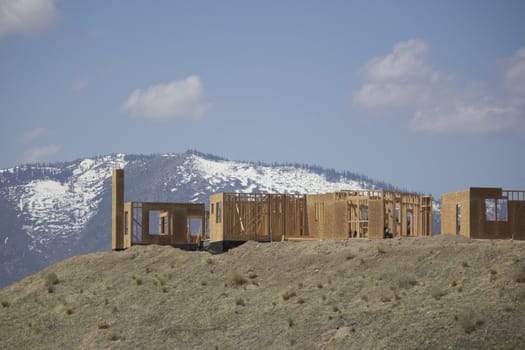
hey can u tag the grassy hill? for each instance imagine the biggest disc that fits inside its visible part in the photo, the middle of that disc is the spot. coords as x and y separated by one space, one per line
417 293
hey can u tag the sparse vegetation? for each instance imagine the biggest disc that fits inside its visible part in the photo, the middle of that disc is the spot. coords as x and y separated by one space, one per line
287 294
236 279
437 293
112 336
51 279
102 324
407 282
469 321
338 304
385 299
519 276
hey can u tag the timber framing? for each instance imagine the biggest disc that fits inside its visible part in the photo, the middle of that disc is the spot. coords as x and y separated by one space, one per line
256 216
337 215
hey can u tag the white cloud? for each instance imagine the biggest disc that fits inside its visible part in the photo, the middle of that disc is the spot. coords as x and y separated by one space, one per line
399 79
30 135
40 153
402 80
387 95
181 99
26 16
405 62
470 119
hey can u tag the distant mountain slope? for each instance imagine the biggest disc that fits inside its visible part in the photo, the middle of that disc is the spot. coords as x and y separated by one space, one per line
53 211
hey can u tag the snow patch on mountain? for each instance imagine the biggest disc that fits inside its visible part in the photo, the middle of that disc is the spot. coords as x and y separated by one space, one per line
52 209
247 177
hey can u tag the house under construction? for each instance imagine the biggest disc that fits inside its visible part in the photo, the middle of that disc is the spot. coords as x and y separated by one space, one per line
178 224
484 213
238 217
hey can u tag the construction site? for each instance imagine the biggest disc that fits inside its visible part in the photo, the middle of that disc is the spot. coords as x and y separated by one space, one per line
234 218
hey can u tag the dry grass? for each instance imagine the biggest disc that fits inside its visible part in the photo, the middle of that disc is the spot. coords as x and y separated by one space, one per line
407 282
239 301
470 321
102 324
236 279
396 300
287 294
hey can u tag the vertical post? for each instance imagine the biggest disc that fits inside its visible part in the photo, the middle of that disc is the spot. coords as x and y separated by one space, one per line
117 208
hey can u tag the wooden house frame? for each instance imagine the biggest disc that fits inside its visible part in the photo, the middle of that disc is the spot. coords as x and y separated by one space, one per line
367 213
256 216
484 213
177 224
236 217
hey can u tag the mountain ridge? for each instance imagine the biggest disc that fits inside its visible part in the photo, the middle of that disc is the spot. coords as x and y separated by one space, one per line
55 210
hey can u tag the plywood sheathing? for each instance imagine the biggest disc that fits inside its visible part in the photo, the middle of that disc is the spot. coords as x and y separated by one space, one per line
366 213
467 213
255 216
117 209
337 215
171 224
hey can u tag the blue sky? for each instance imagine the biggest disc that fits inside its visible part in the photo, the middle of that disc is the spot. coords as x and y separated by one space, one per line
426 95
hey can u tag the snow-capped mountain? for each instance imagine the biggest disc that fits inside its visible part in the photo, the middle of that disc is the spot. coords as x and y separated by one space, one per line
52 208
50 212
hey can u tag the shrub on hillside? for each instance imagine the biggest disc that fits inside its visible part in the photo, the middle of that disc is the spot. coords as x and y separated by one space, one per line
102 324
287 294
51 279
469 321
236 279
407 282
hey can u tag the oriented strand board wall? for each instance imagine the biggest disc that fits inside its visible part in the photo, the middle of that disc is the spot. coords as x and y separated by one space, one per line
449 202
216 228
117 210
376 218
474 221
320 215
480 227
517 217
128 225
259 217
177 215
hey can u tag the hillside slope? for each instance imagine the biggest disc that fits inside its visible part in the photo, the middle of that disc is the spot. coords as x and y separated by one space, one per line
416 293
